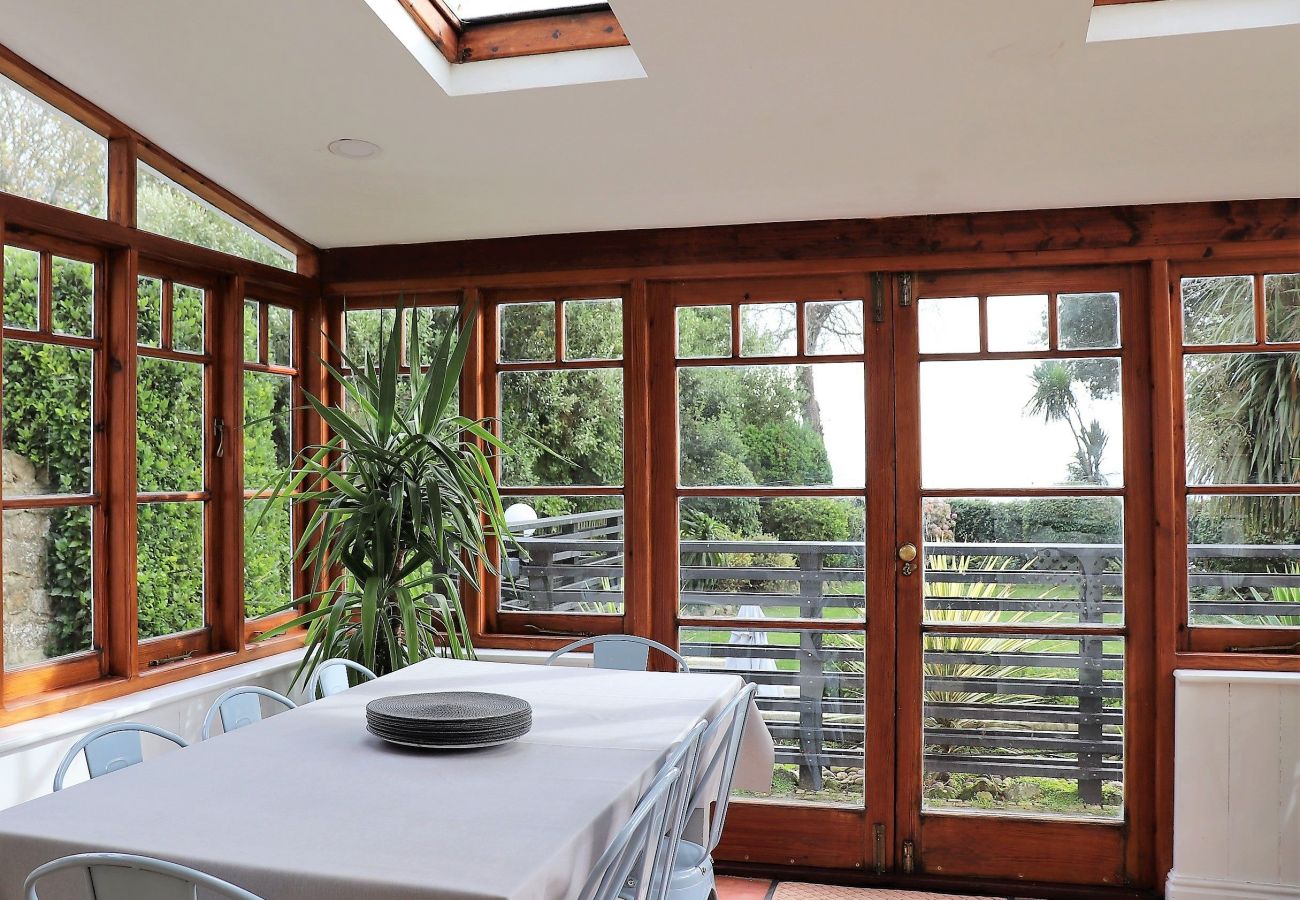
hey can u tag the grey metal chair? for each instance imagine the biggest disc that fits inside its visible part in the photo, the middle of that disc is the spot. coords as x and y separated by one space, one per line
692 873
331 677
632 855
124 876
240 707
685 759
112 747
628 652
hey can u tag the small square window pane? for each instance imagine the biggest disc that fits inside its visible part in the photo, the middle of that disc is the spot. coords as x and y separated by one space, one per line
72 285
949 324
148 321
1219 310
833 327
366 332
48 607
527 332
1087 321
279 335
268 558
1018 323
767 329
169 425
427 327
252 331
22 289
187 318
1282 307
593 329
703 332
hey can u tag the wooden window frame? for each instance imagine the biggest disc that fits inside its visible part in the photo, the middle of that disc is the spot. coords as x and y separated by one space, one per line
528 34
526 630
1220 640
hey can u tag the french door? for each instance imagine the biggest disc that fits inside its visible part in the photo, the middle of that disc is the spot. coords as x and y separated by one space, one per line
902 506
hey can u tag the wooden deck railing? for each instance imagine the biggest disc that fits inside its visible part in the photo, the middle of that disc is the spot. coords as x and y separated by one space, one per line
994 705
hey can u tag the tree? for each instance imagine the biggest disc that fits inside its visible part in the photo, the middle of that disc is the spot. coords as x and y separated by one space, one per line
1055 401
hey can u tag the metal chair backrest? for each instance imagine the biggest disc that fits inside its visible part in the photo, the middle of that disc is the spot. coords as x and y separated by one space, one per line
685 758
240 707
628 652
124 876
713 786
331 677
112 747
635 850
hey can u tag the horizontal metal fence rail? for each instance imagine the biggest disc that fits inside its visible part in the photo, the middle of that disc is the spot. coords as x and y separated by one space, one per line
1060 715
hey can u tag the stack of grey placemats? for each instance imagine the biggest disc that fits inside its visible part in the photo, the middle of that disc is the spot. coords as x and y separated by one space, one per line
449 720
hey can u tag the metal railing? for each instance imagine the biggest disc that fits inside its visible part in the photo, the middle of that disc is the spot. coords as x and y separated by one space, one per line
994 705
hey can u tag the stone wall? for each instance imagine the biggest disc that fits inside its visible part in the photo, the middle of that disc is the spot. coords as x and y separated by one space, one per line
27 613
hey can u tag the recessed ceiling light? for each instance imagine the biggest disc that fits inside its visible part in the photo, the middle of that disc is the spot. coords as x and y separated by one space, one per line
351 148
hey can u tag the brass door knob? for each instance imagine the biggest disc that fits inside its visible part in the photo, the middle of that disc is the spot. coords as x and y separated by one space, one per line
907 552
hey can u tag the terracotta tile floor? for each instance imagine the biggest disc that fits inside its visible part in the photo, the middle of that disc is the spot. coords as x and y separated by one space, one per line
753 889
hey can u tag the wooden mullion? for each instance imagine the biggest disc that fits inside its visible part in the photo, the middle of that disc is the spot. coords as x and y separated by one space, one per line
263 333
560 353
793 359
639 549
119 490
736 345
167 309
224 572
45 292
1080 490
58 340
663 477
203 359
1261 320
50 501
122 181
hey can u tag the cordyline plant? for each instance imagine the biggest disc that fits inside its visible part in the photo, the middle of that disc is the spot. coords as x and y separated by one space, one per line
404 508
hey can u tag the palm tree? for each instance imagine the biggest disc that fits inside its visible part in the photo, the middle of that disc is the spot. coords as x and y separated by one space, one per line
1054 399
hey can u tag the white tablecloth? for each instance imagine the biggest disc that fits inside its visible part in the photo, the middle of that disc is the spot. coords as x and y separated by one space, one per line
307 805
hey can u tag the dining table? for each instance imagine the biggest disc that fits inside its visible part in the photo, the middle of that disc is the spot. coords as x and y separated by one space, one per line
308 805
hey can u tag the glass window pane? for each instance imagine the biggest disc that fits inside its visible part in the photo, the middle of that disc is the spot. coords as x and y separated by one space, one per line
1219 310
811 690
569 558
1282 307
703 331
47 419
279 326
773 557
22 289
1018 323
1039 561
268 558
1087 321
573 422
1243 424
169 567
366 332
252 331
949 324
772 425
833 326
148 327
48 611
268 441
767 329
1024 724
527 332
72 286
169 425
431 326
187 318
593 329
1021 423
164 207
1244 561
50 157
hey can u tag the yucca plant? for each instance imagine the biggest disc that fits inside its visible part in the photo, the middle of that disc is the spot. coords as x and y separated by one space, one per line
402 508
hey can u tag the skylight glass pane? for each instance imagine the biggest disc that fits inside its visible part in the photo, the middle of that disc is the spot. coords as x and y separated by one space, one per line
470 10
48 156
166 208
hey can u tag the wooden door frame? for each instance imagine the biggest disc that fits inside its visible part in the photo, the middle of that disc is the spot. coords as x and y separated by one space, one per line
976 845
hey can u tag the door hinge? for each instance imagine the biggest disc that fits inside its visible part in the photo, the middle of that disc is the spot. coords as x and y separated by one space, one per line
878 848
905 289
909 858
877 297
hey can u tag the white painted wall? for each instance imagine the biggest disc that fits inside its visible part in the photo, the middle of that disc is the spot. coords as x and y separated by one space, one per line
1236 786
31 751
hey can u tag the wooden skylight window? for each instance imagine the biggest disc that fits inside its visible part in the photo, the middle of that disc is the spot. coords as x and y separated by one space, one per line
466 31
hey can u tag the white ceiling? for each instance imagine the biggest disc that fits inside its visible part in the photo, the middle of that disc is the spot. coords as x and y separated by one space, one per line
754 110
